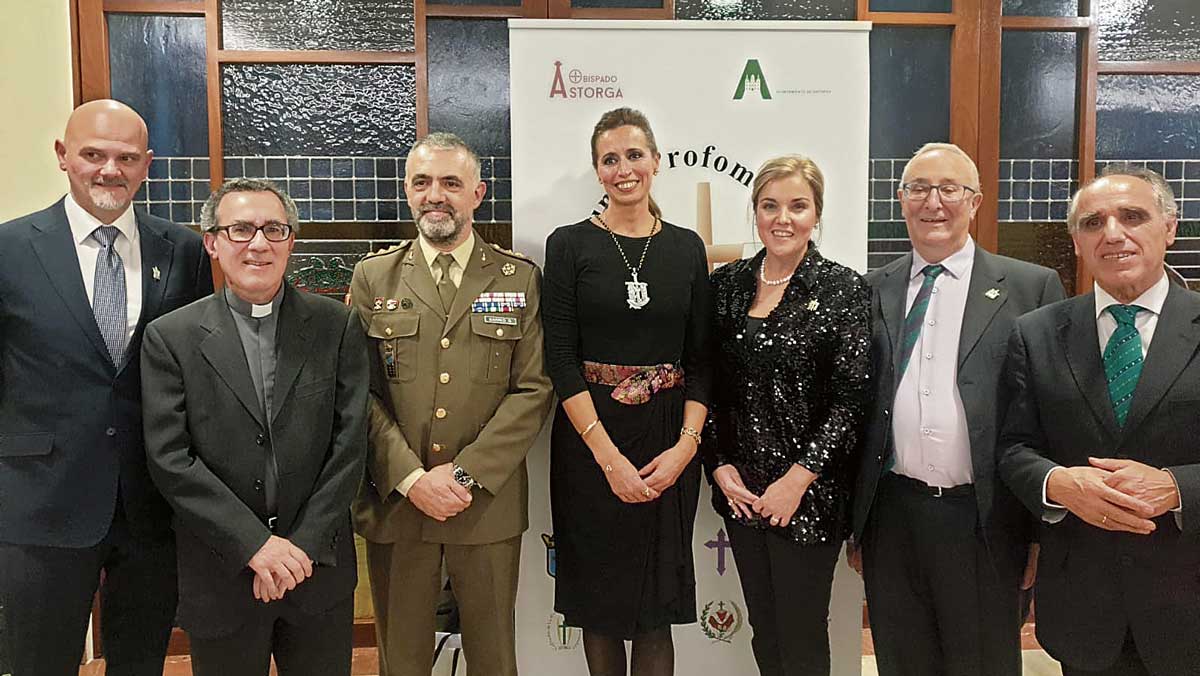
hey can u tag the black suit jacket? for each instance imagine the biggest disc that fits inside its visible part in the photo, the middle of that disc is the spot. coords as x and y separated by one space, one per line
1094 584
71 422
207 444
987 322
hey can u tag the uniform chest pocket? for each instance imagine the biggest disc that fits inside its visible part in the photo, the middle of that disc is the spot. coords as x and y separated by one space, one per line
395 338
495 336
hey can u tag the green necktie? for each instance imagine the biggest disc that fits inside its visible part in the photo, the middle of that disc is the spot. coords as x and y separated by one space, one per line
445 286
911 330
1123 360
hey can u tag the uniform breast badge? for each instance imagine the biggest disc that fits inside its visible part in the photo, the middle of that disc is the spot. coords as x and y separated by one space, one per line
508 269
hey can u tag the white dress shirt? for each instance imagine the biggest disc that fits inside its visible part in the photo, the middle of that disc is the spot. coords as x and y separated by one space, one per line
1151 301
929 423
128 246
462 256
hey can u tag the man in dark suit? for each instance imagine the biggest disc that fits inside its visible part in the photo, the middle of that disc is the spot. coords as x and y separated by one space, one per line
1100 442
255 421
78 283
943 544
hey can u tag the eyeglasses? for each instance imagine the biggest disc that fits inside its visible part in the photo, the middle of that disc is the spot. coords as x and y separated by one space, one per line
244 232
948 192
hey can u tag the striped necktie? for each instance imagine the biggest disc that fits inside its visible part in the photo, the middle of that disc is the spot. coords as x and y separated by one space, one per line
108 293
916 317
1123 360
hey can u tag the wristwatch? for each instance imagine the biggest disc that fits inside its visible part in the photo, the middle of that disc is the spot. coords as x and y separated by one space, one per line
463 478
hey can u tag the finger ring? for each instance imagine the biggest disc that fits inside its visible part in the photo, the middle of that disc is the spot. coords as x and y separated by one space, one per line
1103 519
732 503
774 521
646 491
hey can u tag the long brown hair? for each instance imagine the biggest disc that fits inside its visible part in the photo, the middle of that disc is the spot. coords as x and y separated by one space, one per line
626 117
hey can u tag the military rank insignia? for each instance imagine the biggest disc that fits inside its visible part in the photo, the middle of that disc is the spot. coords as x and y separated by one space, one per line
499 301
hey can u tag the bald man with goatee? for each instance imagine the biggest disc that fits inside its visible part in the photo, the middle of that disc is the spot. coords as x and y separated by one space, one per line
79 281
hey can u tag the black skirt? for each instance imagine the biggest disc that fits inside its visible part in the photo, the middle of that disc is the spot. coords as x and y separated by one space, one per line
623 569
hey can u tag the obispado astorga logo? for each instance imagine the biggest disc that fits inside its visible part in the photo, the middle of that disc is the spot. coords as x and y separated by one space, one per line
584 85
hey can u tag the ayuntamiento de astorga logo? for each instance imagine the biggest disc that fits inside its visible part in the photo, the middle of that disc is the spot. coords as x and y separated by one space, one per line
752 82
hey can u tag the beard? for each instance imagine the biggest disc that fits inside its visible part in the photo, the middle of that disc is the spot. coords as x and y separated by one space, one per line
441 231
105 199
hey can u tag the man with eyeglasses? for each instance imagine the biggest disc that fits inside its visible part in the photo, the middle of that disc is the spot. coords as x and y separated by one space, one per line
255 426
79 281
1100 441
944 548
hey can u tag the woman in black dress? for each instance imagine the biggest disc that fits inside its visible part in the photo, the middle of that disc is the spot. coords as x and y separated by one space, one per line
626 312
793 330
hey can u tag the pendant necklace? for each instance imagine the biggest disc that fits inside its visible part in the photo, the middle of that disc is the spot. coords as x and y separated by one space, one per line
637 292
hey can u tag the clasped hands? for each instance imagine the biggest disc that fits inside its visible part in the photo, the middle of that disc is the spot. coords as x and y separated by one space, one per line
1114 493
438 495
278 567
777 504
632 485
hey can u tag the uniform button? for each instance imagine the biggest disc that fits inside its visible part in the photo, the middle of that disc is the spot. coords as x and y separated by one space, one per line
929 467
445 343
258 484
886 412
926 431
388 330
933 290
440 413
437 448
931 322
112 431
260 440
925 392
879 458
929 356
444 378
499 332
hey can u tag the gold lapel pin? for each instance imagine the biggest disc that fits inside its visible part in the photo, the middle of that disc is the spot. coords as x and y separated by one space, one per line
992 294
156 272
813 305
508 269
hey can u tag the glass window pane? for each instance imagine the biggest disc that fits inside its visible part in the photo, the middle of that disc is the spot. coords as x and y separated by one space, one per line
348 25
910 106
1037 126
1046 244
1148 117
832 10
911 5
1138 30
468 81
305 109
1041 7
157 66
489 3
616 4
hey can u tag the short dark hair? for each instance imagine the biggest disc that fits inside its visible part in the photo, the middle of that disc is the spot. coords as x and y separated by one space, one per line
444 140
208 212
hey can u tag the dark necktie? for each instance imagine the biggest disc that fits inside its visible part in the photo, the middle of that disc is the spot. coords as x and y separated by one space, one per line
108 293
445 287
916 317
1123 360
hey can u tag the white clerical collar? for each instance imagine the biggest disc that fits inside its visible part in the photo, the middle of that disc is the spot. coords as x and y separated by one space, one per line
84 224
255 310
1152 299
461 253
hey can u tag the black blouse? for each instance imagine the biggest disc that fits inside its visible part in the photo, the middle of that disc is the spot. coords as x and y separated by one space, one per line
793 391
586 315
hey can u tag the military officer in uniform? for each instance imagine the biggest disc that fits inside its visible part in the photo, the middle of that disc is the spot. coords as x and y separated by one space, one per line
458 394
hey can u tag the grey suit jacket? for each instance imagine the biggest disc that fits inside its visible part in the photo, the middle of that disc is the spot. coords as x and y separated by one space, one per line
986 325
1093 585
206 441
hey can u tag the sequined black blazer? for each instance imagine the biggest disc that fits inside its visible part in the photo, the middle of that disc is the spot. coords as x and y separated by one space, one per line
794 392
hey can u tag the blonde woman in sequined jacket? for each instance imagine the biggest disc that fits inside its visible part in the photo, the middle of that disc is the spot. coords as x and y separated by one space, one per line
791 389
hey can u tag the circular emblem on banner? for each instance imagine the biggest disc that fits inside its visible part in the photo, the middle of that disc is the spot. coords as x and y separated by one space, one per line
561 636
720 620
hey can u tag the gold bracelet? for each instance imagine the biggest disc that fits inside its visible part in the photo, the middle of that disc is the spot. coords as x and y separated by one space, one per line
586 430
689 431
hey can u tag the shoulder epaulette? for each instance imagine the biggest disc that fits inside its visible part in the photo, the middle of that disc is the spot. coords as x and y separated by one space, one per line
514 254
395 248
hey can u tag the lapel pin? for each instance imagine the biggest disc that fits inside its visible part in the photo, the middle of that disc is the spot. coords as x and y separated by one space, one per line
156 272
508 269
391 304
378 304
992 294
813 305
406 303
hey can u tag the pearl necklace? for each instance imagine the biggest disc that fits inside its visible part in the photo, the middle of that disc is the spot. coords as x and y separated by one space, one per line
762 275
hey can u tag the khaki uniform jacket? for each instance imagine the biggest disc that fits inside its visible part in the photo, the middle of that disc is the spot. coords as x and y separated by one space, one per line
468 388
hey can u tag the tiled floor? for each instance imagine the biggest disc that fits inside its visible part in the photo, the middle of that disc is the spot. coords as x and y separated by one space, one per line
1037 662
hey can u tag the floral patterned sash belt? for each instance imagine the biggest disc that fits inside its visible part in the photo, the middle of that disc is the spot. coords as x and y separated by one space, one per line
634 384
